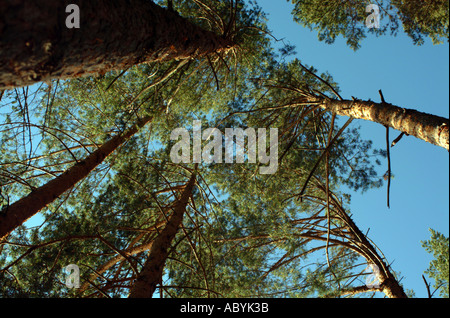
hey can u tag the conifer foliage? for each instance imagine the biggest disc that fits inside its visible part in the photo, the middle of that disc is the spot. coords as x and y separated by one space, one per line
87 156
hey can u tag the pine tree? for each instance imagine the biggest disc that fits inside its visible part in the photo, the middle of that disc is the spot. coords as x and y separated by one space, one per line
152 270
20 211
111 36
134 220
430 128
332 19
438 246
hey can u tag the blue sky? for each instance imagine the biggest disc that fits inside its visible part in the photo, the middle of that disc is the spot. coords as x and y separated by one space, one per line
410 76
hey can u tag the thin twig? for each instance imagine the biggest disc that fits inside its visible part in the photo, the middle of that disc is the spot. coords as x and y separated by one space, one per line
389 166
396 140
116 78
328 198
428 287
323 81
321 157
388 153
214 72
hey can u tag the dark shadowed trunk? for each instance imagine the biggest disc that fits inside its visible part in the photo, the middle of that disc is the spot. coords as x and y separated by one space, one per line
152 271
36 45
16 214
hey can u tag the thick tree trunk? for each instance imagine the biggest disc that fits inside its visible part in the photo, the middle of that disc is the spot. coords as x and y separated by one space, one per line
36 45
392 289
151 273
20 211
430 128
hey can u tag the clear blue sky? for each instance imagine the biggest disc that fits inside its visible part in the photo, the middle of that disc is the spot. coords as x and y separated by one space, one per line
410 76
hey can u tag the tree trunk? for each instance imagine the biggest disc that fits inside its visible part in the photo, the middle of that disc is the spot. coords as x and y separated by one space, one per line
152 271
430 128
392 289
16 214
36 45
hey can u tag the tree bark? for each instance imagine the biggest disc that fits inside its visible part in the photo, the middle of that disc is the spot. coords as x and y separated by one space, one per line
430 128
36 45
358 242
151 273
16 214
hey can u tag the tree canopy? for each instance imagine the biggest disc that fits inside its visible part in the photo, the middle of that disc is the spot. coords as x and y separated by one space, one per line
331 19
438 246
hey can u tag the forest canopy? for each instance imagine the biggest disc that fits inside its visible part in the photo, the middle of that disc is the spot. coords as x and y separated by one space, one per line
92 157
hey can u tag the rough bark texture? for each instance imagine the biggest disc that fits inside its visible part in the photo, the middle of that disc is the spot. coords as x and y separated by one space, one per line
36 45
151 273
389 285
392 289
430 128
20 211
